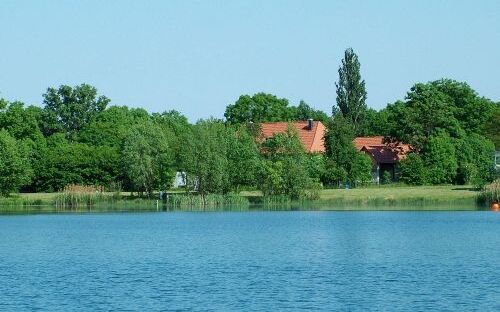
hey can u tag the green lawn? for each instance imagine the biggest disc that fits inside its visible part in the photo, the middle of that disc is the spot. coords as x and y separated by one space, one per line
402 193
447 192
40 196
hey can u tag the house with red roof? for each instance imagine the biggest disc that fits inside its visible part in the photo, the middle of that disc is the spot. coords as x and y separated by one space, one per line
310 133
385 156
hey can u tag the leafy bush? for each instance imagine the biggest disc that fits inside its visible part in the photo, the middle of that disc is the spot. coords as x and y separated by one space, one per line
313 192
361 170
284 171
412 170
386 177
440 159
15 170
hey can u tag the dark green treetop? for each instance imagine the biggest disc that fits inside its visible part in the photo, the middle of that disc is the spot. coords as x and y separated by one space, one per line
69 109
258 108
351 91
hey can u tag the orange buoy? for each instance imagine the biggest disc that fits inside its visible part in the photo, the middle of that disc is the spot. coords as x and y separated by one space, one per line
495 206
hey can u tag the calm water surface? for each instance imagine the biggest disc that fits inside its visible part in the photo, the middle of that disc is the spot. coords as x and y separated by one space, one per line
259 261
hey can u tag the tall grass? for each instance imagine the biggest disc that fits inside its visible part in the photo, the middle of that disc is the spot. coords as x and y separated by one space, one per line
490 194
277 202
78 196
205 202
20 201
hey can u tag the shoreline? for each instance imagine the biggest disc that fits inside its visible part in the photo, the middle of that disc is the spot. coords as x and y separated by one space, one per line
383 198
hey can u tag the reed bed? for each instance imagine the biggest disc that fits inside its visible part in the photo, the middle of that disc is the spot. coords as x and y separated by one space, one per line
78 196
490 194
20 202
206 202
277 202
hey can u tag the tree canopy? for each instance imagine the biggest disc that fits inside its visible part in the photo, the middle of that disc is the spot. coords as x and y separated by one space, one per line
70 109
263 107
446 122
442 105
351 91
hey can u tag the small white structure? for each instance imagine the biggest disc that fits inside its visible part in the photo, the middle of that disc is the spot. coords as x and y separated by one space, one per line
180 180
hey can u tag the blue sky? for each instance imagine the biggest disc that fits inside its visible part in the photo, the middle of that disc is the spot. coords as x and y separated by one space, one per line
199 56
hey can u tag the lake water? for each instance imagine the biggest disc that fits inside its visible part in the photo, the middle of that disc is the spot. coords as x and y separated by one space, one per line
259 261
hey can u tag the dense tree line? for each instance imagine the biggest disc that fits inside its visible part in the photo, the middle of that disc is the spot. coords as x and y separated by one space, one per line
449 127
76 137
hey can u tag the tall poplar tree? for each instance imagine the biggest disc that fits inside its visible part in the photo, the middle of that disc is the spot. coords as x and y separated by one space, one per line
351 92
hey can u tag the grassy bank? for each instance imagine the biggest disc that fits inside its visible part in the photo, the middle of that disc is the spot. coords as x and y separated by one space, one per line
371 198
392 198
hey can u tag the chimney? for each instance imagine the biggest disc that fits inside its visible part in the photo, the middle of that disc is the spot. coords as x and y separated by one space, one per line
309 124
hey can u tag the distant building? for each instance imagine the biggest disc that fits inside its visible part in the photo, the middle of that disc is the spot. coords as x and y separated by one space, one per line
179 180
385 156
310 133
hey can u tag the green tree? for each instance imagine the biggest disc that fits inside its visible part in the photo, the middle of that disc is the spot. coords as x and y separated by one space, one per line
474 159
147 158
243 158
304 112
412 170
210 164
107 132
21 122
181 139
361 168
374 123
69 110
344 163
338 140
285 170
446 110
334 174
111 126
15 170
442 105
65 162
258 108
351 91
471 110
440 158
425 112
186 157
492 128
316 166
272 178
386 177
339 145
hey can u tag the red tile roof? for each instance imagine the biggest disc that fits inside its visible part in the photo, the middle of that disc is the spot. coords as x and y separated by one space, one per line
359 142
312 139
382 152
